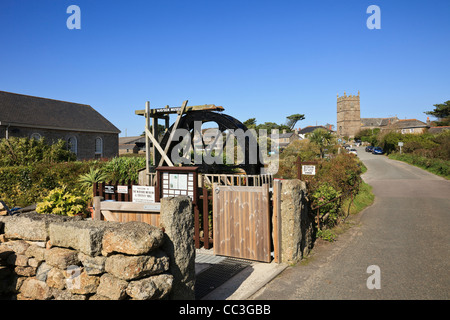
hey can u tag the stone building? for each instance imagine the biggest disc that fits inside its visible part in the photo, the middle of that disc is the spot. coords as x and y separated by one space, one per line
87 133
348 115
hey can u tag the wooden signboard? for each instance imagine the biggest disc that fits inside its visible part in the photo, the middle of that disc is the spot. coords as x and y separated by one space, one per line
177 181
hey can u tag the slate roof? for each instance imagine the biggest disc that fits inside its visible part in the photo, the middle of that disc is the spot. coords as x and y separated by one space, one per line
23 110
309 129
131 140
434 130
409 123
377 122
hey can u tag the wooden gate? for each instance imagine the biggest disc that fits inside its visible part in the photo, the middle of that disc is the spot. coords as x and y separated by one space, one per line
241 222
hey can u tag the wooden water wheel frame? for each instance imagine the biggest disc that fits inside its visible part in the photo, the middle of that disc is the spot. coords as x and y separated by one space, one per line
187 116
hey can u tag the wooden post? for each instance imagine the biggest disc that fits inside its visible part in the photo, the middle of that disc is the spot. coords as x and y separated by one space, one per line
299 168
97 208
276 220
147 138
205 218
172 133
156 157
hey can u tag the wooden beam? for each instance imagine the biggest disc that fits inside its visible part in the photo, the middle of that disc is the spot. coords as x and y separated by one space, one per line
172 133
109 216
160 112
156 144
131 206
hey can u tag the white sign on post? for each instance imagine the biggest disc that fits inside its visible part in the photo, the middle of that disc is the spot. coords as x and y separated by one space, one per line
143 194
122 189
309 170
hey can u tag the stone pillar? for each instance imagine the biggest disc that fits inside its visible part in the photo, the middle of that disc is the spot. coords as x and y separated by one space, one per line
296 224
177 219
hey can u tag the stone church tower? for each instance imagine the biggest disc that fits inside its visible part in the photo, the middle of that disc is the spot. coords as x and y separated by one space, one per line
348 115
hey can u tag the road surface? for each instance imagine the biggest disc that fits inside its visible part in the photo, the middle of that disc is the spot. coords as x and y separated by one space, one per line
404 236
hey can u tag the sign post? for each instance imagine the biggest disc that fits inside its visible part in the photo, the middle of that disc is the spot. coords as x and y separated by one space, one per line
400 144
307 168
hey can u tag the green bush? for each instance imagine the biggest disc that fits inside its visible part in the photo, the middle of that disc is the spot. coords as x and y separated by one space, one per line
24 151
368 135
341 172
61 201
322 197
287 165
124 168
24 185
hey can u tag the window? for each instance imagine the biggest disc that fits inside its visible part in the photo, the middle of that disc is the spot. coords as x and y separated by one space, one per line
72 144
98 148
35 136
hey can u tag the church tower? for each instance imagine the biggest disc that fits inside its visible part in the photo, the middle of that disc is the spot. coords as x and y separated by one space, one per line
348 115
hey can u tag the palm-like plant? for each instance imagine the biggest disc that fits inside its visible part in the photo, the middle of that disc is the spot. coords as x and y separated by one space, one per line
88 179
322 138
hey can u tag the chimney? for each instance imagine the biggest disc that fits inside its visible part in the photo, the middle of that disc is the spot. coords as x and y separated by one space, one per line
284 130
428 121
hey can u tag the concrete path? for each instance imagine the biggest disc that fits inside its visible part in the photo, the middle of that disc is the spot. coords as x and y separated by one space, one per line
405 234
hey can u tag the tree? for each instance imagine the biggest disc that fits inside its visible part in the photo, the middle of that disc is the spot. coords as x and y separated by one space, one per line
323 139
442 112
269 126
250 123
293 119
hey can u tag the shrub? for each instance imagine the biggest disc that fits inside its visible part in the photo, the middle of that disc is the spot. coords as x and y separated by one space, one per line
61 201
24 151
342 173
124 168
322 197
287 166
24 185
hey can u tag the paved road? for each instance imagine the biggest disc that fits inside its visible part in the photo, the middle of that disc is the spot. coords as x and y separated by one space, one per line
406 233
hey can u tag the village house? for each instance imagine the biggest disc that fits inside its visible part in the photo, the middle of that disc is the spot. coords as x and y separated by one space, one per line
134 145
408 126
87 133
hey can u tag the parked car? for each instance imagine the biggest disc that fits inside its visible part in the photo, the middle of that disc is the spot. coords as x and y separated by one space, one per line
353 151
369 148
377 150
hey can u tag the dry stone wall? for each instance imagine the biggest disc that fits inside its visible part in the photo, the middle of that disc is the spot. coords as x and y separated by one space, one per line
45 257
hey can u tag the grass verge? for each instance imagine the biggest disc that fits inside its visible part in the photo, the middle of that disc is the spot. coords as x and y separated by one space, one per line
363 199
436 166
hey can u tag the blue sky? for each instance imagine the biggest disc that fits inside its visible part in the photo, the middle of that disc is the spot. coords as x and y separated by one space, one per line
261 59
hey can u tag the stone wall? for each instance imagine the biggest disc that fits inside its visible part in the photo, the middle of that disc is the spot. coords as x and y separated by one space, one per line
297 223
45 257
